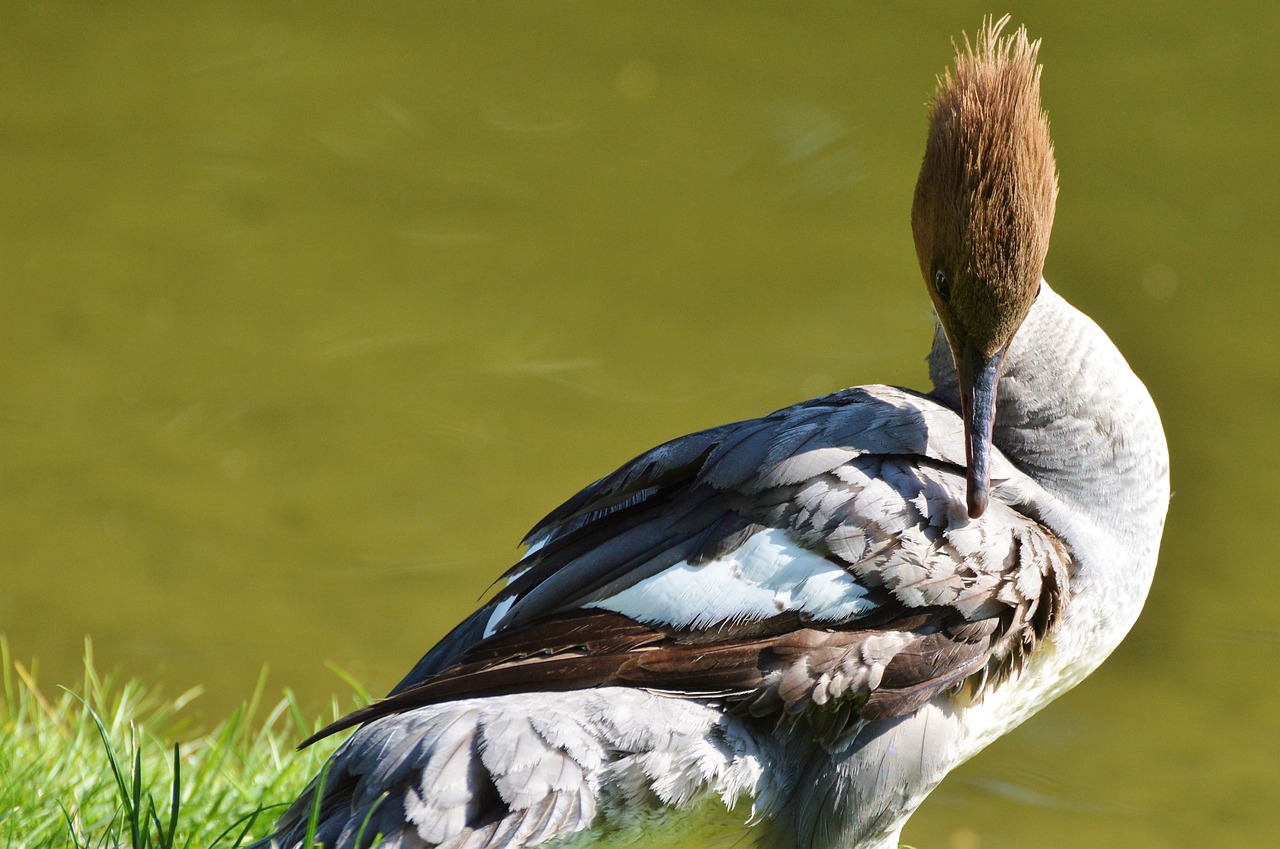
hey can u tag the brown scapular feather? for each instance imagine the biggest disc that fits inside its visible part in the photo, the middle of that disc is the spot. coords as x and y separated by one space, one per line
773 667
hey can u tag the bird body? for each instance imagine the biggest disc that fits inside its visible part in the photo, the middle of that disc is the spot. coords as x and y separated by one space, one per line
792 627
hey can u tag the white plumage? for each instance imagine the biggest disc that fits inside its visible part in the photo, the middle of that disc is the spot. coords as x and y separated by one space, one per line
765 576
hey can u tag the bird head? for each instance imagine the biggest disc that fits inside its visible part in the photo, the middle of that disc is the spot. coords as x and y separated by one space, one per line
981 219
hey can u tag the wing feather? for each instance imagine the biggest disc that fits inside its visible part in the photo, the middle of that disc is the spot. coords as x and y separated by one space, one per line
867 478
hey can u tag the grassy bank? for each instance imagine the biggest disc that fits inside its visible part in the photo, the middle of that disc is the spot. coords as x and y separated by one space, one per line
113 763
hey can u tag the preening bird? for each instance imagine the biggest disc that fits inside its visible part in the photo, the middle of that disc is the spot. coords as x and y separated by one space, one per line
791 628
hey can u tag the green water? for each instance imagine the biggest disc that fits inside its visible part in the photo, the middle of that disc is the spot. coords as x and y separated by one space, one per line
309 314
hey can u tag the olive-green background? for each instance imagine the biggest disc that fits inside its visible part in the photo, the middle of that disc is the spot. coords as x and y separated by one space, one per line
308 312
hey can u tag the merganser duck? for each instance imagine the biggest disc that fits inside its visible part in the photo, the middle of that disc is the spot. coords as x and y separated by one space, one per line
792 628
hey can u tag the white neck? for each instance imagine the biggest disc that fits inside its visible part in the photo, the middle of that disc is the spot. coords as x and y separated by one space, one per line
1074 417
1078 422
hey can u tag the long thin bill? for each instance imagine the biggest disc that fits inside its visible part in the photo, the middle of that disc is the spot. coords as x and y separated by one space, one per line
979 377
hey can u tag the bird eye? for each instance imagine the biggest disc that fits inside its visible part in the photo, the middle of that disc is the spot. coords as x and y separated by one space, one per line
941 285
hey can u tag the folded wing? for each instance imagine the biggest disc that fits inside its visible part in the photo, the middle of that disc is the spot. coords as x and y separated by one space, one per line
816 562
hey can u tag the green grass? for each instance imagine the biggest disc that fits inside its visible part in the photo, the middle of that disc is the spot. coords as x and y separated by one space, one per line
115 764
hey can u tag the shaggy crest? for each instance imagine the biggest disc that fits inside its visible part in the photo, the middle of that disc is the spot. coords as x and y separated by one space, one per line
984 203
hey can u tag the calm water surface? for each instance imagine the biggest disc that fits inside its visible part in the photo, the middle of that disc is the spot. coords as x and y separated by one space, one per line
308 317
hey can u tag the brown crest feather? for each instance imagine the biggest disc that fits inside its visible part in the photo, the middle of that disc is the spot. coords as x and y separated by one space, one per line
985 199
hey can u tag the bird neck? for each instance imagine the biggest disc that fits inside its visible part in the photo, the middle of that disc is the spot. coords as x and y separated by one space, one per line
1074 417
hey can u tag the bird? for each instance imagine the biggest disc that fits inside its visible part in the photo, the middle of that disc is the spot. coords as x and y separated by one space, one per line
787 630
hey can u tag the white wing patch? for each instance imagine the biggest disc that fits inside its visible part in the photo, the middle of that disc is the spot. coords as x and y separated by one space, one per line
501 609
499 612
767 575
